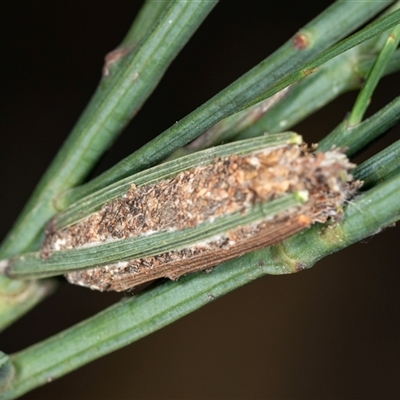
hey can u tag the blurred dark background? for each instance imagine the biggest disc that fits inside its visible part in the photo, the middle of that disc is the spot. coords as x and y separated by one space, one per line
328 333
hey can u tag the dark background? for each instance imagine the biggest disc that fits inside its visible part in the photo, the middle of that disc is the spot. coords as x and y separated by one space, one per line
328 333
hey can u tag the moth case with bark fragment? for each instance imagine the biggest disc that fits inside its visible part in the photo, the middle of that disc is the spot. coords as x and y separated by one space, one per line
206 195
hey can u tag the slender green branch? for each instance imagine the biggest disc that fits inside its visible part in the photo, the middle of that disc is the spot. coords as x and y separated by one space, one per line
144 23
370 31
379 167
343 73
17 297
310 94
226 129
147 17
114 327
353 139
285 66
374 76
119 96
364 65
337 76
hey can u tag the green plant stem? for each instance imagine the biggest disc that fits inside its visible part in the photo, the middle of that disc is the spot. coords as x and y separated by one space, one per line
287 65
305 97
148 15
353 139
379 167
118 98
132 319
364 65
374 76
337 76
334 78
226 129
343 73
370 31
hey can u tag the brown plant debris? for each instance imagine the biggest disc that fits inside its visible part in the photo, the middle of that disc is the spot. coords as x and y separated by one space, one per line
202 194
